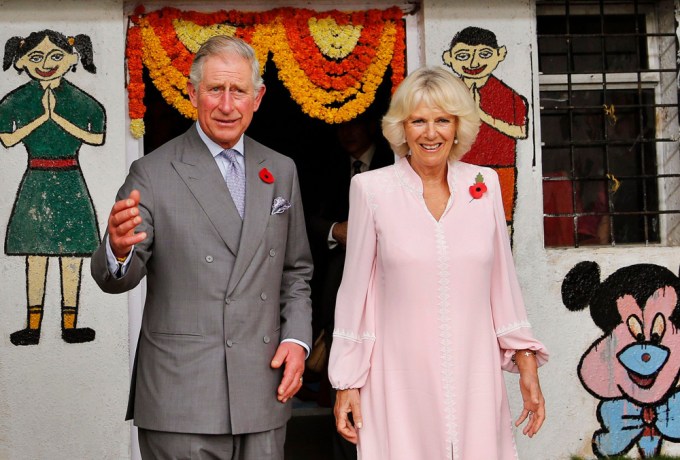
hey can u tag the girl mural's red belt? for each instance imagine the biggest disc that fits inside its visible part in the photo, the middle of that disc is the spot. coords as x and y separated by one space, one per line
53 163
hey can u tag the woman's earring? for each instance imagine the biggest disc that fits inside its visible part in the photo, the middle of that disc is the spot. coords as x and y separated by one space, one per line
455 140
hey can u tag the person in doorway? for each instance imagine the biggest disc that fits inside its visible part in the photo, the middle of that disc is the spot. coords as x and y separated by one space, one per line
361 148
214 221
53 215
429 311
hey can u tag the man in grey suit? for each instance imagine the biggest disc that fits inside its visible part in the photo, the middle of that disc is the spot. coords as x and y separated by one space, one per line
214 221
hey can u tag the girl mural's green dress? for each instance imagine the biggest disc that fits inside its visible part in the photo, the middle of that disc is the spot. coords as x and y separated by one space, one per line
53 213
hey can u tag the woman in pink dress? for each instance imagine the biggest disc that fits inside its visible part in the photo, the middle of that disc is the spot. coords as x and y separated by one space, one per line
430 311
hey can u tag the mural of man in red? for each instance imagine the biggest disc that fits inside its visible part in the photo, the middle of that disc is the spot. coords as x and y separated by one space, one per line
473 55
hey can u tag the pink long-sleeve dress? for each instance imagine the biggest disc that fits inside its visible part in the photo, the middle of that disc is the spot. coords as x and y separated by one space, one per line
428 315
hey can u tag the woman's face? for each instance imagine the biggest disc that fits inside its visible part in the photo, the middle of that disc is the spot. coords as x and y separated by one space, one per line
430 133
46 61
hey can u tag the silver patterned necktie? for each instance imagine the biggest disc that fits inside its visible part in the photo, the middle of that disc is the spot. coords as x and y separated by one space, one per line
236 180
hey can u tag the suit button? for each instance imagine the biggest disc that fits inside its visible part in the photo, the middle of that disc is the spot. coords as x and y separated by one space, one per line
272 252
266 339
227 300
209 259
230 343
263 296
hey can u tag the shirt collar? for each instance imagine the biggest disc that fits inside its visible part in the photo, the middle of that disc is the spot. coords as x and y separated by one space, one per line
365 157
214 147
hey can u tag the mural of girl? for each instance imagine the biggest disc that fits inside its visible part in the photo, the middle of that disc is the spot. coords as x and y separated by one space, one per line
53 214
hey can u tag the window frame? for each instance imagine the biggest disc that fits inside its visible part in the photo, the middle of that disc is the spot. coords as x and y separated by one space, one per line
657 77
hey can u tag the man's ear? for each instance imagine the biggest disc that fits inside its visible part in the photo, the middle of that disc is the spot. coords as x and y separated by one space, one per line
258 97
502 52
192 91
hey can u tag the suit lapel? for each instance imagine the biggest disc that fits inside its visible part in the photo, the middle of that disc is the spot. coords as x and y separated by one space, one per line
259 197
200 173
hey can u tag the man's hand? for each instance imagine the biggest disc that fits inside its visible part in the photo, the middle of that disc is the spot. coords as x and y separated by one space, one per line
292 357
348 402
340 233
123 220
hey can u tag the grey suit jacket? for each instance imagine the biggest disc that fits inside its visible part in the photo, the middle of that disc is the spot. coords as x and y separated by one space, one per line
217 304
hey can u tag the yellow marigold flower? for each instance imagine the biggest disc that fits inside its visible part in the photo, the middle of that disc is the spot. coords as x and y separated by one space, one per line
193 35
333 40
137 127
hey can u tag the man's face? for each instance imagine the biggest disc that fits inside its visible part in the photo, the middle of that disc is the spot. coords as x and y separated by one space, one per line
355 137
474 61
225 98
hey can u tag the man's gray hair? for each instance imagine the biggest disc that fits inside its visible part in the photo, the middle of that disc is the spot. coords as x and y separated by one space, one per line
221 45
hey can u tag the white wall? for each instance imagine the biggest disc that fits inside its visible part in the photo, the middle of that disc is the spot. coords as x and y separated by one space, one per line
59 400
67 401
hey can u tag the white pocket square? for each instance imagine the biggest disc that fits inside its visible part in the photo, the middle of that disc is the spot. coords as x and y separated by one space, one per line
280 205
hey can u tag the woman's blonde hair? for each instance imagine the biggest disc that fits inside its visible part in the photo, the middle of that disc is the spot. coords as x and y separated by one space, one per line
437 88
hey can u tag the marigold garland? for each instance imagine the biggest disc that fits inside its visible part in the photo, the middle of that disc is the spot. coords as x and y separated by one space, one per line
135 87
169 80
331 62
330 73
319 103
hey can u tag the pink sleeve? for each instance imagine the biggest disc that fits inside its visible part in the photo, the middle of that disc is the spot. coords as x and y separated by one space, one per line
354 333
507 306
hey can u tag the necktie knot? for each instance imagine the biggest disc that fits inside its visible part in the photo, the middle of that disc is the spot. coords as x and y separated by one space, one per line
356 166
230 154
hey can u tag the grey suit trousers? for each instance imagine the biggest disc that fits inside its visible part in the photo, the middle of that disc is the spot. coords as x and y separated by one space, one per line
162 445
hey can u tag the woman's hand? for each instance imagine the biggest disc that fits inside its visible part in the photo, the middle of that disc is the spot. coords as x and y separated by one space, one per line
529 386
348 402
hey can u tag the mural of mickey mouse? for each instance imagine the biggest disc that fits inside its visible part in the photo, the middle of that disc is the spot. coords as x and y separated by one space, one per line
633 368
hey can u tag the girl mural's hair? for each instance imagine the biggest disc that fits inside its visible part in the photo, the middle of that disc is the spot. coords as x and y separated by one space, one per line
17 47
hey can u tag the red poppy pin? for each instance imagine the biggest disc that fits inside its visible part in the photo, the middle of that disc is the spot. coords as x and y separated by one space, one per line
266 176
478 188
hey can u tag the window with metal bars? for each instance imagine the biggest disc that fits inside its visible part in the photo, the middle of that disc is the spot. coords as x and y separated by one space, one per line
609 122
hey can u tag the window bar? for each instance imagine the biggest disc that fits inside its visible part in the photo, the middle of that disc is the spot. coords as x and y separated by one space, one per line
641 136
570 113
605 125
